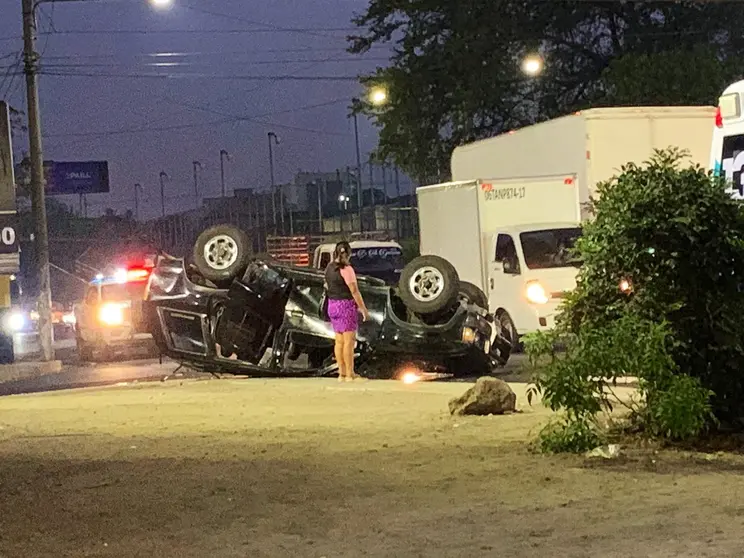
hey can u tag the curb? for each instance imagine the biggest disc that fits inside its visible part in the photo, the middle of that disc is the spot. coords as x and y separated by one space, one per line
23 370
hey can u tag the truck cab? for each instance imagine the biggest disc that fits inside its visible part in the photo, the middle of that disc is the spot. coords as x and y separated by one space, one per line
374 258
110 317
531 268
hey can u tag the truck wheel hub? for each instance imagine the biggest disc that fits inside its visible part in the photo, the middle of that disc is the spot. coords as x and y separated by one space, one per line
221 252
426 284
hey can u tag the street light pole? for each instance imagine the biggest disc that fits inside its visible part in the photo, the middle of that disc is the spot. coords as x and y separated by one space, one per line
197 167
273 139
223 154
360 201
163 176
38 204
136 200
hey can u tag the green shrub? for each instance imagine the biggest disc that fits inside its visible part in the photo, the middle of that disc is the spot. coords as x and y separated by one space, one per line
574 435
677 238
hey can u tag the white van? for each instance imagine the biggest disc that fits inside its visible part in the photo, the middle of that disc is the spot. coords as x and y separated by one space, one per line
727 152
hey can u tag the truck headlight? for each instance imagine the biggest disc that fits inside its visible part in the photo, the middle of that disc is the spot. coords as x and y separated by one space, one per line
15 321
111 314
535 293
468 335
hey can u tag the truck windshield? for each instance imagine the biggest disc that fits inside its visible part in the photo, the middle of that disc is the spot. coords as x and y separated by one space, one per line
550 248
376 259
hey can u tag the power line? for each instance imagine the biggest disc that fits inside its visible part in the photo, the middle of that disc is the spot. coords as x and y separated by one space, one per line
179 64
285 77
230 119
232 17
200 31
221 53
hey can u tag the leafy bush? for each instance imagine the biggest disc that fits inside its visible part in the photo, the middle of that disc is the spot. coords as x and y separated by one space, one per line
677 240
570 435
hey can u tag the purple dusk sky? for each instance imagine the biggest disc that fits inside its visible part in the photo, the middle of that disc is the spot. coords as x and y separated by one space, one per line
194 113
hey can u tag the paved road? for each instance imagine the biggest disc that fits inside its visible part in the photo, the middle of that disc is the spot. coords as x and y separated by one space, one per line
78 375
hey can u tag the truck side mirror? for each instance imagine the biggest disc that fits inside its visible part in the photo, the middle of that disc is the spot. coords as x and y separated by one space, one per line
511 267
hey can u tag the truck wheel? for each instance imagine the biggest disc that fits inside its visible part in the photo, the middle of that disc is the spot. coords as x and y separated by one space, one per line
429 285
7 352
473 295
221 253
509 330
85 351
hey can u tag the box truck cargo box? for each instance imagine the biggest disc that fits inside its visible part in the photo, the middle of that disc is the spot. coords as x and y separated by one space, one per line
513 212
592 144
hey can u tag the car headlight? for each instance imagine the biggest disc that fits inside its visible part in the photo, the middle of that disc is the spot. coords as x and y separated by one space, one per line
15 321
111 314
535 293
468 335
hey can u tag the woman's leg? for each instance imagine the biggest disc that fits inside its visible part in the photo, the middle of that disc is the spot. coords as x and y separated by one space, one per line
338 349
349 344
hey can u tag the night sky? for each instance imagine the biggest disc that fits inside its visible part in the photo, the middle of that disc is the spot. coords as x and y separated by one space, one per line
196 111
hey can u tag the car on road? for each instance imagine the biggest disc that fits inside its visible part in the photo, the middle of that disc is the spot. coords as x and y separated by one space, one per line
110 317
230 313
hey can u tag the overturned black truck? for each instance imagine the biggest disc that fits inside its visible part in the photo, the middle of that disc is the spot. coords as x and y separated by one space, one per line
227 312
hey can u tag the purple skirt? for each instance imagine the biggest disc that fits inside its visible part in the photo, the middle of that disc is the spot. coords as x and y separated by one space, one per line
343 315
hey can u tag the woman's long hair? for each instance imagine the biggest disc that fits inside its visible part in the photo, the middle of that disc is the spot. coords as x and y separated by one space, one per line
342 248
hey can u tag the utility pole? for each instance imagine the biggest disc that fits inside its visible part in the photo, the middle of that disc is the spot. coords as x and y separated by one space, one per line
360 201
163 176
38 204
273 139
197 167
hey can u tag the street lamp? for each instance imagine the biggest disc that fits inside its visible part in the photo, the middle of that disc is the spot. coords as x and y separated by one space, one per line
378 96
31 60
161 4
532 65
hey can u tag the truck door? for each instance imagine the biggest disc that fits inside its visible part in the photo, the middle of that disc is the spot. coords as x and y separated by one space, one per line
505 281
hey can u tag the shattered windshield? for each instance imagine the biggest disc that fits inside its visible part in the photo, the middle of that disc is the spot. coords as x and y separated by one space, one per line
381 258
550 248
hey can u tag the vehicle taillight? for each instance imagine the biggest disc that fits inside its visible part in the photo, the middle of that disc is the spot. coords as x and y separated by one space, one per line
719 118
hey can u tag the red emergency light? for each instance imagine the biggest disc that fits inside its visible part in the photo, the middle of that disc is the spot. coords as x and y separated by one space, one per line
719 118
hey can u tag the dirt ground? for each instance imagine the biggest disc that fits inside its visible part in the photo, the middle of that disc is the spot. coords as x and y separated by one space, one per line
311 468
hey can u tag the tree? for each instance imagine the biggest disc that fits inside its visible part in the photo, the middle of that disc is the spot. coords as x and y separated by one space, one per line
454 75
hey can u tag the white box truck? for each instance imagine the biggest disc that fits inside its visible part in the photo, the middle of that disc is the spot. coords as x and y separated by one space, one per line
514 210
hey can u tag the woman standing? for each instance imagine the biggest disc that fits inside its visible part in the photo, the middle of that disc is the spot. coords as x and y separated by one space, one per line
344 301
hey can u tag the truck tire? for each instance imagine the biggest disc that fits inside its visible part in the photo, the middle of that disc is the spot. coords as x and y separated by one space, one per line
7 351
509 330
473 294
221 253
429 285
85 351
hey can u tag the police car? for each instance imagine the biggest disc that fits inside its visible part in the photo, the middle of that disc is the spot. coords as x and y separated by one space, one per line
110 318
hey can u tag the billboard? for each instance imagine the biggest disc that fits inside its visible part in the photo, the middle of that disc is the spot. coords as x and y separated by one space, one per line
9 249
69 178
86 177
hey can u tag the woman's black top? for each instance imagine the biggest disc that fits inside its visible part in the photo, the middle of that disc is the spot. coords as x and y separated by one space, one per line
337 287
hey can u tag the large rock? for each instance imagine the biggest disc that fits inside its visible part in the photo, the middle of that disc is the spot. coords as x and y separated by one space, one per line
489 396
